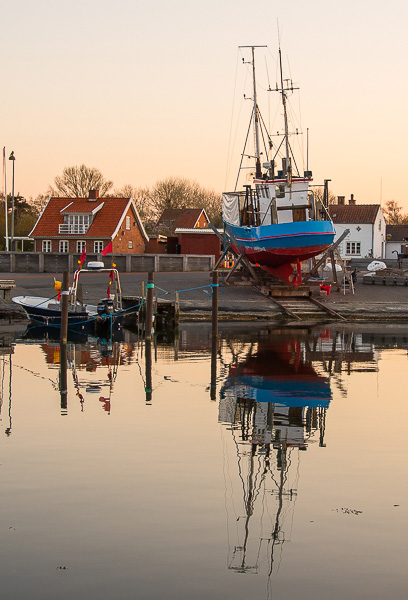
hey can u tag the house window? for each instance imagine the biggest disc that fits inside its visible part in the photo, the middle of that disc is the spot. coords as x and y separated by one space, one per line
353 248
127 222
130 244
98 247
80 246
63 246
46 245
379 225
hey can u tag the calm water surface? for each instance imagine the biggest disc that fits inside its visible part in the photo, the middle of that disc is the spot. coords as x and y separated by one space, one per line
281 475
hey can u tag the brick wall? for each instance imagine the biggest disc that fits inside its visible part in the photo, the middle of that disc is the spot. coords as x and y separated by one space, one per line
133 235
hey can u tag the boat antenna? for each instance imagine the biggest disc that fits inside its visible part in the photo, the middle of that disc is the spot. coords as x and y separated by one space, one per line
285 114
307 149
258 171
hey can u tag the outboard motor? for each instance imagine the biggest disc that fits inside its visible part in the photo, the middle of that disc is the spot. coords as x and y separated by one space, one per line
105 307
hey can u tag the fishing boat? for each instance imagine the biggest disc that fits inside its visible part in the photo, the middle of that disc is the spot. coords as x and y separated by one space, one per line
47 311
276 222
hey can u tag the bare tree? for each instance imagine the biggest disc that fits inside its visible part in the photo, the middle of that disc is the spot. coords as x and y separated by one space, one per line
392 213
178 192
318 192
142 199
76 182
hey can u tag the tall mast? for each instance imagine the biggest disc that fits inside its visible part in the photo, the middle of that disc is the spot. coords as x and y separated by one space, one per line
285 114
258 171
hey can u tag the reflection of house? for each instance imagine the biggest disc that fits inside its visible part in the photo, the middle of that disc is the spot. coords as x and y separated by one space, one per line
72 225
88 356
397 240
367 228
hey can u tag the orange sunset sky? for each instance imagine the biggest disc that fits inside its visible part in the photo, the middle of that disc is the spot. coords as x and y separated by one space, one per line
143 91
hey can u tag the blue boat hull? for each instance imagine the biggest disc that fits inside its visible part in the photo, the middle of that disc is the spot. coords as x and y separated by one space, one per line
275 245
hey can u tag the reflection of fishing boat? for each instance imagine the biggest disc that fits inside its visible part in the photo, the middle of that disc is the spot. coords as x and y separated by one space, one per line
47 311
278 223
277 371
273 401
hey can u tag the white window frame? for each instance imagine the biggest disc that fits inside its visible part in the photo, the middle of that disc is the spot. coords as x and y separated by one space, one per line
127 220
130 244
80 246
353 248
63 246
46 246
98 247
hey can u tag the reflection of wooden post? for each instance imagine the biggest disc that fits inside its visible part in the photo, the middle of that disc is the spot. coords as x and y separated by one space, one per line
214 336
176 325
148 362
63 342
63 380
149 306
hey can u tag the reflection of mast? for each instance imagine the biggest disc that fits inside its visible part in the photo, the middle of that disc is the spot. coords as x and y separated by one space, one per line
8 430
63 379
148 363
3 377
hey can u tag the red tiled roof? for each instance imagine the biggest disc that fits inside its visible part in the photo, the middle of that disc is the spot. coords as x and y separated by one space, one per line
104 223
398 233
357 213
179 217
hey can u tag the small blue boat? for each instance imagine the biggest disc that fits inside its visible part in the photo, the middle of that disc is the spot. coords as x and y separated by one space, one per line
47 311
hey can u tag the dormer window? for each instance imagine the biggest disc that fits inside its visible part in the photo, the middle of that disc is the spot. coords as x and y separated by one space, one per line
75 224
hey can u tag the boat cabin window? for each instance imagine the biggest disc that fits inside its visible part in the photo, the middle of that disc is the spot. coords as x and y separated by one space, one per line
263 191
299 214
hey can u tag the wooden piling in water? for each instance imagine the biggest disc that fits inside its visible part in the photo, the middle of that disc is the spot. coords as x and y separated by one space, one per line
64 308
214 336
149 306
215 304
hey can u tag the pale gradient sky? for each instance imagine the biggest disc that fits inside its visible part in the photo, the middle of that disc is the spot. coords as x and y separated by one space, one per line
143 90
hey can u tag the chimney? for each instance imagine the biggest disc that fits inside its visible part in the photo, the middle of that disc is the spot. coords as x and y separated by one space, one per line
93 194
340 200
352 201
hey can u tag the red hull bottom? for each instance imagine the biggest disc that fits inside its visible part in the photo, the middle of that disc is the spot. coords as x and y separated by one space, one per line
290 273
285 264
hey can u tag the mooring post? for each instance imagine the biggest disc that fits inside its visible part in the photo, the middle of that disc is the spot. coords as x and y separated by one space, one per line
149 306
215 304
214 336
64 308
177 313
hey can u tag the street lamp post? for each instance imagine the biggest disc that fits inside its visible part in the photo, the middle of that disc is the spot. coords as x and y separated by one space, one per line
13 158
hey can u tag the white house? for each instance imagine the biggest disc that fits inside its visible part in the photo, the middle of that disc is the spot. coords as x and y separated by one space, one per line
397 240
367 228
